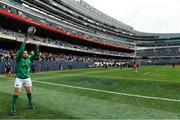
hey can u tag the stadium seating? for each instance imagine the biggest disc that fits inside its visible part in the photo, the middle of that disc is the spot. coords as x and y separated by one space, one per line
160 52
66 45
78 27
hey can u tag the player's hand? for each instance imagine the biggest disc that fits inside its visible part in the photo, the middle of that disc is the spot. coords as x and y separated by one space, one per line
37 41
26 39
37 44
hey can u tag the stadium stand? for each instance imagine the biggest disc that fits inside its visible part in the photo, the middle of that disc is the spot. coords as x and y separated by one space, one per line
160 52
75 31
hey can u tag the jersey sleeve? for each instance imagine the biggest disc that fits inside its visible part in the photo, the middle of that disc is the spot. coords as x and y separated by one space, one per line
21 52
36 53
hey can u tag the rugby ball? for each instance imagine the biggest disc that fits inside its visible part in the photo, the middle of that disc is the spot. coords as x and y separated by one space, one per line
31 30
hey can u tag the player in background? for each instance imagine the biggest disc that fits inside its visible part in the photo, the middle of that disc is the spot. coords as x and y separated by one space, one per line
8 68
23 63
135 66
173 65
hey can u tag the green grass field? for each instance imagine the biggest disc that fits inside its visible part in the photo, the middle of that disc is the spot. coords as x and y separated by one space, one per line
153 92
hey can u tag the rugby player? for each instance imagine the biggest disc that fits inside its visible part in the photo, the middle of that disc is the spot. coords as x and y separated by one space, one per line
23 63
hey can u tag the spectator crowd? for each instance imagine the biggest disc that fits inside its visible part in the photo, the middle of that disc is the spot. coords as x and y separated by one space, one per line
65 44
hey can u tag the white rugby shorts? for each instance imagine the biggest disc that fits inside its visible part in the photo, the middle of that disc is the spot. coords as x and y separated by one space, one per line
22 82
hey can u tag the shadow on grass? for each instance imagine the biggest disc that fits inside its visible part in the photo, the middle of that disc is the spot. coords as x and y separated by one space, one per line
40 112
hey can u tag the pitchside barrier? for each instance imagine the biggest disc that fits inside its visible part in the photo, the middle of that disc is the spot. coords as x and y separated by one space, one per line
49 65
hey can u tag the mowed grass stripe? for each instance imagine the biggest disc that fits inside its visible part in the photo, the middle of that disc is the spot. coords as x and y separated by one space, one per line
97 76
126 73
110 92
97 72
60 74
104 91
65 102
76 106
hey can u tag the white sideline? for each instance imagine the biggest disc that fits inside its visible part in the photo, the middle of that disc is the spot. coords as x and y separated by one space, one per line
110 92
105 91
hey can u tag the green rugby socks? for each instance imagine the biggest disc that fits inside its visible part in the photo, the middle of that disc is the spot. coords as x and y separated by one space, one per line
14 102
29 98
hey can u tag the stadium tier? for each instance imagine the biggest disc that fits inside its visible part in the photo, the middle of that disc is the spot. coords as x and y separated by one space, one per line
75 27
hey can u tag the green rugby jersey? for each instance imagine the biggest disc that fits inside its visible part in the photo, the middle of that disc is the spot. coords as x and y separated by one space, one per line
23 65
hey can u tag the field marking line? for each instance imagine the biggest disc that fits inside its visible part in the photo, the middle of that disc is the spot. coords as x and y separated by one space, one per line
106 91
109 92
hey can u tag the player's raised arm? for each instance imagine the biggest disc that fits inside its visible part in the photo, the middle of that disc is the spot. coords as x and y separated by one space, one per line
22 48
36 53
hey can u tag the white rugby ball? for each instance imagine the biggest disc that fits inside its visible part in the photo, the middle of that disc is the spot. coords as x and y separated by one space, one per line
31 30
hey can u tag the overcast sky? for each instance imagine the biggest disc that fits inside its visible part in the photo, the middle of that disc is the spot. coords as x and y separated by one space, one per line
155 16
